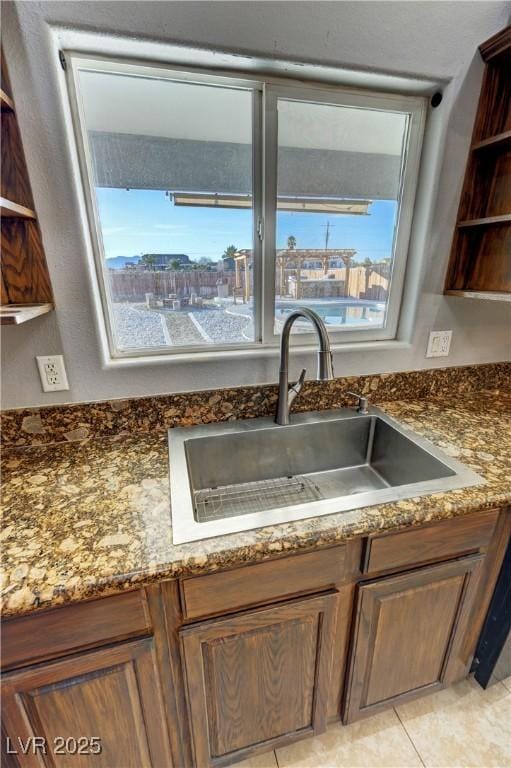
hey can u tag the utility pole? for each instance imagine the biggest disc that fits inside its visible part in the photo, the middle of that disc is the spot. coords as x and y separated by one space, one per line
327 228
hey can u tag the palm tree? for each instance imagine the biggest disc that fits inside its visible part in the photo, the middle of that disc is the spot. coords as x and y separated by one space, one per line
175 264
230 252
291 242
228 257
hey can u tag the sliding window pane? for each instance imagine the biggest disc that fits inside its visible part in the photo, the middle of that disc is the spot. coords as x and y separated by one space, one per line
171 167
338 193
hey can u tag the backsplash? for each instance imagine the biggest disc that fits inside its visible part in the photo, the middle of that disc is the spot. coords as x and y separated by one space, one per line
83 421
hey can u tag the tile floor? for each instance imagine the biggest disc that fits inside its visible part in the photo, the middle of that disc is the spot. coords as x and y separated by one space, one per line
460 727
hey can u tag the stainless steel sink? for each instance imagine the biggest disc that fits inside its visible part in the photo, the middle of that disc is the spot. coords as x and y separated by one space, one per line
241 475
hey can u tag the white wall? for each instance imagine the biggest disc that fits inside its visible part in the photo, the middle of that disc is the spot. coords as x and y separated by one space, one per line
437 40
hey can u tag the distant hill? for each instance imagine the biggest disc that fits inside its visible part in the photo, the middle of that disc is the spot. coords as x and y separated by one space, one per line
119 262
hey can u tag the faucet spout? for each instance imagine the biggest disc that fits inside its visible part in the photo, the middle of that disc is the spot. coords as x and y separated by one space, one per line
287 392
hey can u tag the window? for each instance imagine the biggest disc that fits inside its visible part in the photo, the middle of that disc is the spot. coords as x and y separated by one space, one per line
217 205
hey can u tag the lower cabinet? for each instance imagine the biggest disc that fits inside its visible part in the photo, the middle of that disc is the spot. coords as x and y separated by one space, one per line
408 633
258 679
159 690
102 708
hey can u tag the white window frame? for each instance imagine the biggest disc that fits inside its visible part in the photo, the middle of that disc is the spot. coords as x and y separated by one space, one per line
266 92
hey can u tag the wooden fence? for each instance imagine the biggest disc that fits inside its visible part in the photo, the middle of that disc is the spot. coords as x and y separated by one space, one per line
132 285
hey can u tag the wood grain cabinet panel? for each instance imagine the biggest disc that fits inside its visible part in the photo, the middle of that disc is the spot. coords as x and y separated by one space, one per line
408 633
266 582
72 628
258 679
113 694
438 541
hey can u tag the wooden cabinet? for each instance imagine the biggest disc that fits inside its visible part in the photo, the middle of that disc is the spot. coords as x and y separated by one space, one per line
258 679
160 684
112 694
408 633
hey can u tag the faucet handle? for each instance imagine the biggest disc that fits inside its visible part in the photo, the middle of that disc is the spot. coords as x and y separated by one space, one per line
294 390
363 402
297 386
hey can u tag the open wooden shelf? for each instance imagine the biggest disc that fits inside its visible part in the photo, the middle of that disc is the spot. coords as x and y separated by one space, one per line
8 209
483 295
480 260
25 285
493 142
6 103
486 221
15 314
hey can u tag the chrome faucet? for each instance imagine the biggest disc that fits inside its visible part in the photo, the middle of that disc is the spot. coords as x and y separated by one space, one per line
288 392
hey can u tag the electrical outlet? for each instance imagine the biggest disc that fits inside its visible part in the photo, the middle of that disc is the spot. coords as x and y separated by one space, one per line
439 344
52 372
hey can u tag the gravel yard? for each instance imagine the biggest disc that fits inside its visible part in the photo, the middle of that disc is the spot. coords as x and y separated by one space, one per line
222 327
137 326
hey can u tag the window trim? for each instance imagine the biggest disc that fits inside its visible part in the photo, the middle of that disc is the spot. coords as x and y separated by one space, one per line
266 90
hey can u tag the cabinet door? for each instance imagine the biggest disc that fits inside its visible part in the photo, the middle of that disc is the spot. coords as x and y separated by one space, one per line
408 633
258 679
112 694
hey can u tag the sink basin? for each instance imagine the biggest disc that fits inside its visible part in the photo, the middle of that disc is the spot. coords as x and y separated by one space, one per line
241 475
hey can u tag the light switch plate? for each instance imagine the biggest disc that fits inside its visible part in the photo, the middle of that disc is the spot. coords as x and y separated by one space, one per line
439 344
52 372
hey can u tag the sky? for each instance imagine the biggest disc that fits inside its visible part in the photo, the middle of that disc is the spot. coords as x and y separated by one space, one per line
145 221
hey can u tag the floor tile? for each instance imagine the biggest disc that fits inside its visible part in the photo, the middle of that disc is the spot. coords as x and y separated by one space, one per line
461 727
507 682
267 760
378 742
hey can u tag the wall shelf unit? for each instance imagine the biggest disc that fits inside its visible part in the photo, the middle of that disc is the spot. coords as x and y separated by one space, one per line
480 260
486 221
25 288
8 209
15 314
493 142
486 295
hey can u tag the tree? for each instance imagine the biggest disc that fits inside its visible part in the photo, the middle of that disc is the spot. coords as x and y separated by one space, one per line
149 260
291 242
175 264
230 252
228 257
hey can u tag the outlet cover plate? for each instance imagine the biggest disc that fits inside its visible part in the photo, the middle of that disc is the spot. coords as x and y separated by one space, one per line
439 344
52 372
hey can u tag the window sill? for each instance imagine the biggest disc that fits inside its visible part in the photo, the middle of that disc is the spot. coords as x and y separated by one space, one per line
248 354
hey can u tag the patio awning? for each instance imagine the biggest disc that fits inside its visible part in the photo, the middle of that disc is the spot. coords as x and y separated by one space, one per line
301 204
